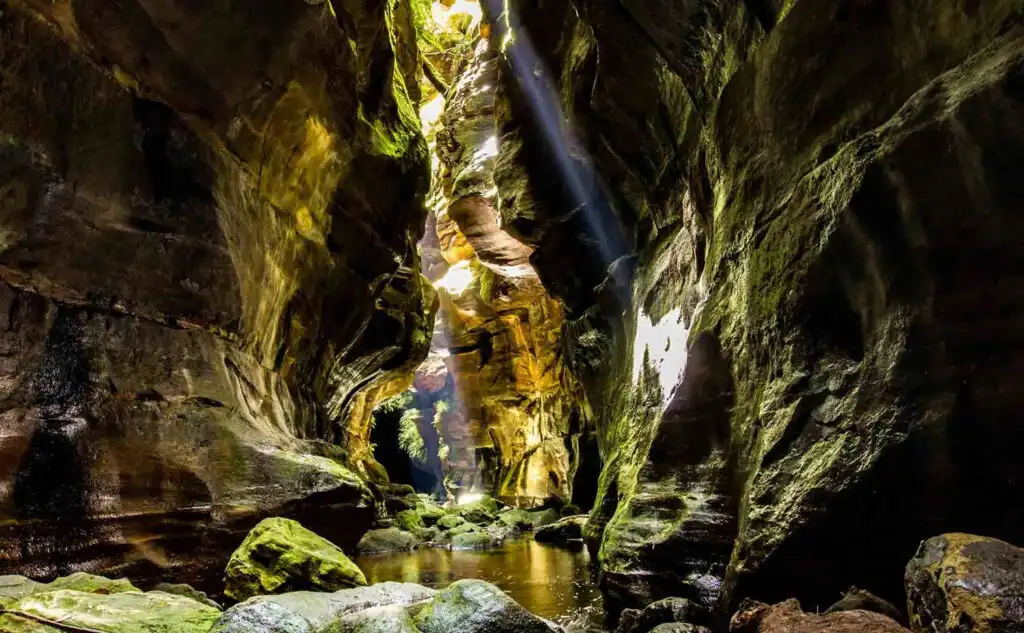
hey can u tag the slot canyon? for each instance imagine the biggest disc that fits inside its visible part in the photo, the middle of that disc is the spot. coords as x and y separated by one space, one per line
500 316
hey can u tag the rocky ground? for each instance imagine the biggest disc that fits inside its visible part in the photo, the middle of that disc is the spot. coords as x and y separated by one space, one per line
285 579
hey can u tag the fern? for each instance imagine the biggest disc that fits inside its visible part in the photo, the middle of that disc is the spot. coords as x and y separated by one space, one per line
409 438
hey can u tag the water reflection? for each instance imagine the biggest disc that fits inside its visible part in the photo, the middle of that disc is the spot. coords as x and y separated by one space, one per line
555 583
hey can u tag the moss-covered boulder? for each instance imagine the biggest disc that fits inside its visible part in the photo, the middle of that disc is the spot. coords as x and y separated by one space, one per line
518 520
387 540
563 532
89 583
483 511
544 517
118 612
14 587
427 534
474 606
431 513
279 555
959 583
450 521
409 520
474 540
182 589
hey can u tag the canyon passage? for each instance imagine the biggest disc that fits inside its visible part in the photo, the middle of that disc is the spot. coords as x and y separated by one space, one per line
457 316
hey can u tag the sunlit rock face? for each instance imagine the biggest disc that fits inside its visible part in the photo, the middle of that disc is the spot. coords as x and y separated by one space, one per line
825 198
208 215
514 419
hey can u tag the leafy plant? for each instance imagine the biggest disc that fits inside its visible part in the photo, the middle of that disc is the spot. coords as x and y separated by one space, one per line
410 439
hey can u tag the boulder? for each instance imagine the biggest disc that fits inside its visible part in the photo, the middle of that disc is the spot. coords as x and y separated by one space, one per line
89 583
788 617
966 584
118 612
570 510
677 627
279 555
475 540
668 610
427 534
14 587
482 511
409 520
449 521
430 513
387 540
310 612
181 589
545 517
859 600
475 606
563 531
516 519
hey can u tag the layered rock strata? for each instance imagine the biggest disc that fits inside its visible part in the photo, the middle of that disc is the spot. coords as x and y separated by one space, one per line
812 207
209 214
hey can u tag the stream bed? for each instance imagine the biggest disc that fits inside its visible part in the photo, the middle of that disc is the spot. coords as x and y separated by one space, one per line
555 583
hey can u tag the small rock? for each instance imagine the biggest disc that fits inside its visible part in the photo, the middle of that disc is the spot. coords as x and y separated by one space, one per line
430 513
678 627
545 517
387 540
788 617
474 606
427 534
959 583
279 555
859 600
181 589
666 611
474 540
450 521
409 520
483 511
518 520
563 531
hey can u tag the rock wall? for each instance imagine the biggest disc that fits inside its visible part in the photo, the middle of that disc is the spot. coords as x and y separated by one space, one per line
787 234
209 214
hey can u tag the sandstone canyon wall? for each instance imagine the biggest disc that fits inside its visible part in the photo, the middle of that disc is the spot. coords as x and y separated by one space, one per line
788 238
209 214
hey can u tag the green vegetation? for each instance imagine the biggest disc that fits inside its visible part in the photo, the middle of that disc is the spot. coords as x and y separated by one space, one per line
409 437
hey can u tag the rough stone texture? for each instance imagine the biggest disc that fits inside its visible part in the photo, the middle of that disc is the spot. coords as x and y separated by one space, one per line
314 612
280 556
474 606
859 600
208 215
813 207
787 617
665 611
387 540
121 612
513 422
958 583
676 627
563 531
378 620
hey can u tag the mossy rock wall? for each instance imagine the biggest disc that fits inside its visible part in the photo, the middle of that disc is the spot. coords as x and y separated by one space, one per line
208 216
822 197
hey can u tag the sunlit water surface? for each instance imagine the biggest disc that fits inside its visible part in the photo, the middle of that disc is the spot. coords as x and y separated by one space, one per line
555 583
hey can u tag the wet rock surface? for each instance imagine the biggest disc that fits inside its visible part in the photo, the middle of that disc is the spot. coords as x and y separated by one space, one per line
280 556
474 606
786 327
563 532
387 540
959 583
209 215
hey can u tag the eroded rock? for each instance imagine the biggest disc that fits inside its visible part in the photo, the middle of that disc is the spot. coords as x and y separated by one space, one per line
788 617
280 556
562 532
959 583
474 606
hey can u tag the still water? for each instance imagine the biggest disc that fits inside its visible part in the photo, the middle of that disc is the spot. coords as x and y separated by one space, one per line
555 583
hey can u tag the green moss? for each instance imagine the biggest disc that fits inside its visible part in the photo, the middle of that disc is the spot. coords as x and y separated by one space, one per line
450 521
410 439
121 612
409 520
279 555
